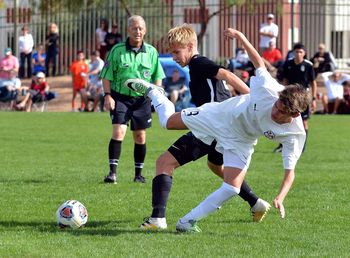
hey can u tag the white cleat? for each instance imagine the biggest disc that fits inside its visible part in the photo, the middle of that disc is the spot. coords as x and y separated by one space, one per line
259 210
154 223
142 87
189 226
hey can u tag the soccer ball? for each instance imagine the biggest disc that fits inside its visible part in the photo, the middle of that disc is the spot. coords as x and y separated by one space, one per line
72 214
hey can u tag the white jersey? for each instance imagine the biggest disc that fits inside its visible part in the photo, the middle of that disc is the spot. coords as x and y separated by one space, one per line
238 122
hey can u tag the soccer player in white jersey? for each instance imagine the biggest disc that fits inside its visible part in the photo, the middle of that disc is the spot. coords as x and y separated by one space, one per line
271 110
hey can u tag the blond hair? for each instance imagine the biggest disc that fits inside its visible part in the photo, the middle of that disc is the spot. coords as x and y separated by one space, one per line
181 36
295 98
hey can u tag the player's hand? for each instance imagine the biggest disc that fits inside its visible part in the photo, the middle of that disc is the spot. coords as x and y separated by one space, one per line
231 33
279 205
109 103
313 105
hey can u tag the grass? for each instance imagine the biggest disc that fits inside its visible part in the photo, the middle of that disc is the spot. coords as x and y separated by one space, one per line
47 158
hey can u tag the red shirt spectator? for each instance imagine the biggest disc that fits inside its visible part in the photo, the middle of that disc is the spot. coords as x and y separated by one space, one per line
272 55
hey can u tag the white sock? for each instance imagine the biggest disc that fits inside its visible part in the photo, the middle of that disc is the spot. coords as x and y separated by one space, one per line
212 202
164 107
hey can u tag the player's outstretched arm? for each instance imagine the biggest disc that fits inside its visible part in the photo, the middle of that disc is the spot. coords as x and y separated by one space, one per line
254 56
233 80
285 187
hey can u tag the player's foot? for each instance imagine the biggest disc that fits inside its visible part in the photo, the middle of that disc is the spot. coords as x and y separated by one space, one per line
111 178
139 179
188 226
154 223
259 210
278 149
142 86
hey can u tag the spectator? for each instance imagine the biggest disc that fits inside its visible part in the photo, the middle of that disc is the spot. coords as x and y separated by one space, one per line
52 41
299 71
9 63
37 92
100 36
25 45
9 89
79 70
335 91
241 60
323 61
112 38
272 57
268 31
245 78
175 86
95 90
346 85
38 60
134 59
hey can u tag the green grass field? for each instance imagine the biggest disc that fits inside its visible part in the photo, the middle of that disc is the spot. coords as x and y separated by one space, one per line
47 158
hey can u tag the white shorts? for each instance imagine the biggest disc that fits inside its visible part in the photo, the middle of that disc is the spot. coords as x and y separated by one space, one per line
232 160
209 123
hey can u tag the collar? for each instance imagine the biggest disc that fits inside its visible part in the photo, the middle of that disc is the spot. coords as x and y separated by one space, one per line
130 48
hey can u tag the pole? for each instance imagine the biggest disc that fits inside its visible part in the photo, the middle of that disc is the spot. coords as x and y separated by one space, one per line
15 31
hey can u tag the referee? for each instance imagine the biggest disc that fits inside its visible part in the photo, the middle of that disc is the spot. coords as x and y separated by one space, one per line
131 59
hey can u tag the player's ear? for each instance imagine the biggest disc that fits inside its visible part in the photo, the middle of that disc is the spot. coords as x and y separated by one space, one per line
190 46
295 115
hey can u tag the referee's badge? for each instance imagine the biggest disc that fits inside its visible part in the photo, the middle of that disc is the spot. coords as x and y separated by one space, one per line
146 74
302 68
269 134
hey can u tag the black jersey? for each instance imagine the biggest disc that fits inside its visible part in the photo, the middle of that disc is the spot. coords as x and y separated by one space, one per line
204 86
302 73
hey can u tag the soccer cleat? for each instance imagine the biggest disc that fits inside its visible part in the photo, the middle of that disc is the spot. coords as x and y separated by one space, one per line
142 86
139 179
154 223
259 210
188 226
111 178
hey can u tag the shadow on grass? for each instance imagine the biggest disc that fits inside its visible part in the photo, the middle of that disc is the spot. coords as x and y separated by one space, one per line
94 228
23 181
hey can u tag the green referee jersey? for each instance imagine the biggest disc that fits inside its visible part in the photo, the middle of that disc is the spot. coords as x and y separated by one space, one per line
125 63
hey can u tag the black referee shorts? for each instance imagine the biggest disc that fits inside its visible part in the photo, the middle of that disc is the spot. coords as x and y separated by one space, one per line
137 110
188 148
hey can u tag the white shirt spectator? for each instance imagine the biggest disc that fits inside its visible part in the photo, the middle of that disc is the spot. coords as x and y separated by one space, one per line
334 88
26 43
271 28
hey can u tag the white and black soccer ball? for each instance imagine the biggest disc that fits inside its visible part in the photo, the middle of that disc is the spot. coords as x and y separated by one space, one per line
71 214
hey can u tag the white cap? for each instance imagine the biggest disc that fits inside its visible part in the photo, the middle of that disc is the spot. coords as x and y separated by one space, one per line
40 75
270 15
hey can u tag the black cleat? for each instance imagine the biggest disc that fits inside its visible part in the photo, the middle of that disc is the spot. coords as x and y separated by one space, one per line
139 179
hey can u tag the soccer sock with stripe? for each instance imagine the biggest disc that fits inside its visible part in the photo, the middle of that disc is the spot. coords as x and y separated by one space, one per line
114 150
161 186
139 157
212 202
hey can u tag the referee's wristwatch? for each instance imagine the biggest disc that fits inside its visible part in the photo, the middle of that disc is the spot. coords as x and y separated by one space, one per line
313 98
106 93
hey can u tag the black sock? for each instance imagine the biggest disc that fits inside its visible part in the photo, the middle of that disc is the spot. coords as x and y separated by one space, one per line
114 150
139 157
247 194
161 187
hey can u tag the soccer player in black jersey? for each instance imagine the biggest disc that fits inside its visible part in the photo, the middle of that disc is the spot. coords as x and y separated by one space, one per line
300 71
207 84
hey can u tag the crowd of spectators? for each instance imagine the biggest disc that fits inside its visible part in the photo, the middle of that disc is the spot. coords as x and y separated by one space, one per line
43 59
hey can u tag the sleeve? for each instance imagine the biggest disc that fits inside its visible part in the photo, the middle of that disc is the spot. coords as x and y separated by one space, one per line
275 31
311 73
205 66
292 149
109 66
158 72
